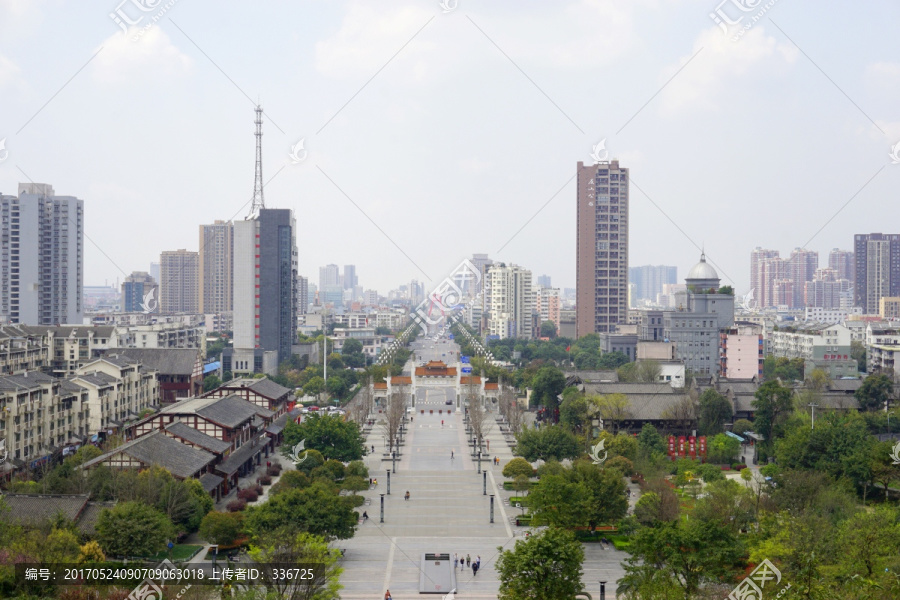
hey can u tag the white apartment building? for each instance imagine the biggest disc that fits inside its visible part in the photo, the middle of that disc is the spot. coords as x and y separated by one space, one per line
828 315
118 390
39 416
41 257
508 301
813 341
71 346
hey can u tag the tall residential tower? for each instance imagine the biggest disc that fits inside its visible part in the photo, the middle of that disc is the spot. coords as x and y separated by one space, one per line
601 248
216 267
41 257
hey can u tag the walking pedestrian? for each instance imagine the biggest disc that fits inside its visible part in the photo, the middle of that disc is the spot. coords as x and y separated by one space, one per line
442 422
489 445
407 495
365 516
474 569
387 595
451 455
455 561
373 449
468 560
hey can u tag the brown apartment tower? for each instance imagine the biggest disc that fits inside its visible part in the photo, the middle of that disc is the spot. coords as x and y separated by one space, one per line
602 248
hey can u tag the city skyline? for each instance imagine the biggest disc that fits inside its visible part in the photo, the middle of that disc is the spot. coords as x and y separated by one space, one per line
664 108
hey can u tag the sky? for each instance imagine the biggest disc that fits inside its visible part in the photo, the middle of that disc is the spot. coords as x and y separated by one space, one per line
408 135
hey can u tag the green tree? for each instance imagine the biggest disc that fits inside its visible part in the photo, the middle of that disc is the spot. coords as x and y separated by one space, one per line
875 391
742 426
608 502
316 509
133 529
628 373
650 441
314 386
329 434
870 541
283 548
772 405
516 467
647 508
557 502
722 449
612 360
548 442
714 411
211 382
548 329
648 371
858 353
222 528
683 554
546 566
547 384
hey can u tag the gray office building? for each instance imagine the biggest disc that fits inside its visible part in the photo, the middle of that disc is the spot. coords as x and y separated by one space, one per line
702 313
41 257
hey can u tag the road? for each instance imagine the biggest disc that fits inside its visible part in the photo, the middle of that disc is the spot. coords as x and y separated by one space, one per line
448 510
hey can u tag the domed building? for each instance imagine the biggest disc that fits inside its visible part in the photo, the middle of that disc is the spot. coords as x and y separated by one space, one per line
702 276
701 313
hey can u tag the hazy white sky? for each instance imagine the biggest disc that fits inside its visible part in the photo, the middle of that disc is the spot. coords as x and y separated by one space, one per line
451 130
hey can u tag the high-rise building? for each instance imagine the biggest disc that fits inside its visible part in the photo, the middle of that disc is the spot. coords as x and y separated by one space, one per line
508 301
544 281
179 286
601 248
41 257
329 275
771 270
842 262
140 293
154 271
802 267
265 273
350 279
216 267
649 280
302 295
877 269
758 280
825 290
547 304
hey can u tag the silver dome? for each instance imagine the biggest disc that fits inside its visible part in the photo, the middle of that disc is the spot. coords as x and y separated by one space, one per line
702 270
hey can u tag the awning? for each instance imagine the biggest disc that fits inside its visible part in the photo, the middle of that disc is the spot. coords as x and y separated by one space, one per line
735 436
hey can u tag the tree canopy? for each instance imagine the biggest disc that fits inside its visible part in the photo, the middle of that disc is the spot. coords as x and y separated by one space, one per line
546 566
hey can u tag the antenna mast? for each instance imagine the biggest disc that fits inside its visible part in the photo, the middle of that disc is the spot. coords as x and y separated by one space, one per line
258 200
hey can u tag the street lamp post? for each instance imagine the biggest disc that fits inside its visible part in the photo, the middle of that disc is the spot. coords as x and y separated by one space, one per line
492 508
602 590
484 487
394 461
389 482
479 461
382 508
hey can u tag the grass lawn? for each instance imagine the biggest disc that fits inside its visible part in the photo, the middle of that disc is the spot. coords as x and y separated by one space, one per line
180 552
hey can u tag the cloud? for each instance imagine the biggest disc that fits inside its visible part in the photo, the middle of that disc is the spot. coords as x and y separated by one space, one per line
123 58
368 37
719 64
9 71
585 33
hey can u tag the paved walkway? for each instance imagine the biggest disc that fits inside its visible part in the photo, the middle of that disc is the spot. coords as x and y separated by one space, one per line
448 512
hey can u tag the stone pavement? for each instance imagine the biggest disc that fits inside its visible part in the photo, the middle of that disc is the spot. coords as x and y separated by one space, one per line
448 512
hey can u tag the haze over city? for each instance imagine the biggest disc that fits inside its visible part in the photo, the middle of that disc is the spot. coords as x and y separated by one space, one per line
451 130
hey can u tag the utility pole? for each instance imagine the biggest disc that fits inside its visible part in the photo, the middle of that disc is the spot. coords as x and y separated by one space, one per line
813 408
